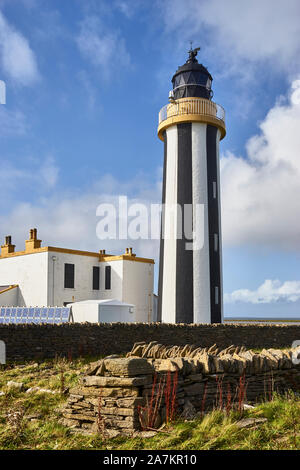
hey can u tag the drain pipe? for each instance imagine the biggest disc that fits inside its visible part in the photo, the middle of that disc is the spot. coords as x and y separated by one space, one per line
53 274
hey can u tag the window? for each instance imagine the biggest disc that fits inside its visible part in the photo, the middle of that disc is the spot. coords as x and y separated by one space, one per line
216 295
216 240
69 276
96 277
214 189
107 277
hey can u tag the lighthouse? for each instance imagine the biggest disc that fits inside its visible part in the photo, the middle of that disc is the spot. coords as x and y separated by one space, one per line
191 126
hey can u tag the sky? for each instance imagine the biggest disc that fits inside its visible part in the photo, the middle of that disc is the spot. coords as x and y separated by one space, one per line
85 80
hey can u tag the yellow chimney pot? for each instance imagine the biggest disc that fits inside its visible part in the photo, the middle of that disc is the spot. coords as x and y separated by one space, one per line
33 243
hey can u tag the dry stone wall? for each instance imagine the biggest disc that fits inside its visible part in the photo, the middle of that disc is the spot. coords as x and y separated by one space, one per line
47 341
119 394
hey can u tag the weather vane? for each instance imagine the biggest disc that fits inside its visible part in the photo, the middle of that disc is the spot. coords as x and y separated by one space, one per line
193 52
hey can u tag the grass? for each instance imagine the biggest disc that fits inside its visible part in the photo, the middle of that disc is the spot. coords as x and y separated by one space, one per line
215 430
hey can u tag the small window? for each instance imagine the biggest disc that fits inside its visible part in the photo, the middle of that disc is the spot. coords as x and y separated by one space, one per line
216 241
96 277
216 295
69 276
107 277
214 189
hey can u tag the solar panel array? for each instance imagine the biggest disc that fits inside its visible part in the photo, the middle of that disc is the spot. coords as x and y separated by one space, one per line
50 315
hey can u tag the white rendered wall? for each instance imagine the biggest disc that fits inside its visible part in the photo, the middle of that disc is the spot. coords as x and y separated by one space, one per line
170 242
201 269
83 285
30 273
101 313
115 313
138 288
9 298
85 312
116 291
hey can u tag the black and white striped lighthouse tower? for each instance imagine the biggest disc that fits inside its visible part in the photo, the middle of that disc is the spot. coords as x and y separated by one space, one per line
191 126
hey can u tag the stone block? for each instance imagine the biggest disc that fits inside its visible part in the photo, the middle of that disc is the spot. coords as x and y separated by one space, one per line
171 365
196 389
130 402
118 411
70 422
79 416
106 392
95 381
75 398
128 367
195 377
97 367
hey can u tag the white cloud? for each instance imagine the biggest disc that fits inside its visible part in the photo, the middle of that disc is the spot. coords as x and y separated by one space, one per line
48 172
104 48
12 122
261 193
270 291
124 7
38 178
16 57
128 7
250 30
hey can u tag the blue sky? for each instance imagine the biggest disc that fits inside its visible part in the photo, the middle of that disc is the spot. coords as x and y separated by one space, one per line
85 81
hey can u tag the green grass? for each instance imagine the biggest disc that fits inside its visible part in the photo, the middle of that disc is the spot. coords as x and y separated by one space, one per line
214 431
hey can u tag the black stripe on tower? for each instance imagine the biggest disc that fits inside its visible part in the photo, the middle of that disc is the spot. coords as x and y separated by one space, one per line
184 258
161 252
213 224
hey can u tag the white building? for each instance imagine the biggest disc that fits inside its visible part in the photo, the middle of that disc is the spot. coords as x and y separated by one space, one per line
103 311
51 276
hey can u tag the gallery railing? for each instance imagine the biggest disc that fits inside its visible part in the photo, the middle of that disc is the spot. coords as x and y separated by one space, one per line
199 106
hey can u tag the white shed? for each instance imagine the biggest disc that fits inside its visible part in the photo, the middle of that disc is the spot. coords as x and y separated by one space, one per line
102 311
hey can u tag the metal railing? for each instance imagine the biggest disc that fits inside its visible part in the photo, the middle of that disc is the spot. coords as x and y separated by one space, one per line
200 106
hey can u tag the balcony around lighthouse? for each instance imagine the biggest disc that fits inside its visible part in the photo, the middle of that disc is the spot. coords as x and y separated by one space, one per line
191 110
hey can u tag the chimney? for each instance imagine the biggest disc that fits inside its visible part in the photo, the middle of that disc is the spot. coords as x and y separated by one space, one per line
101 254
7 248
33 243
129 252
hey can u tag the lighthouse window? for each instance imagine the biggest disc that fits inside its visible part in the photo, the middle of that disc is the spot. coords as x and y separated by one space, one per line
208 84
216 241
216 295
214 189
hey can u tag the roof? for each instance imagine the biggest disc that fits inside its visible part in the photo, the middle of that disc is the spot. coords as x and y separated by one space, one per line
113 302
7 288
190 67
101 257
3 288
